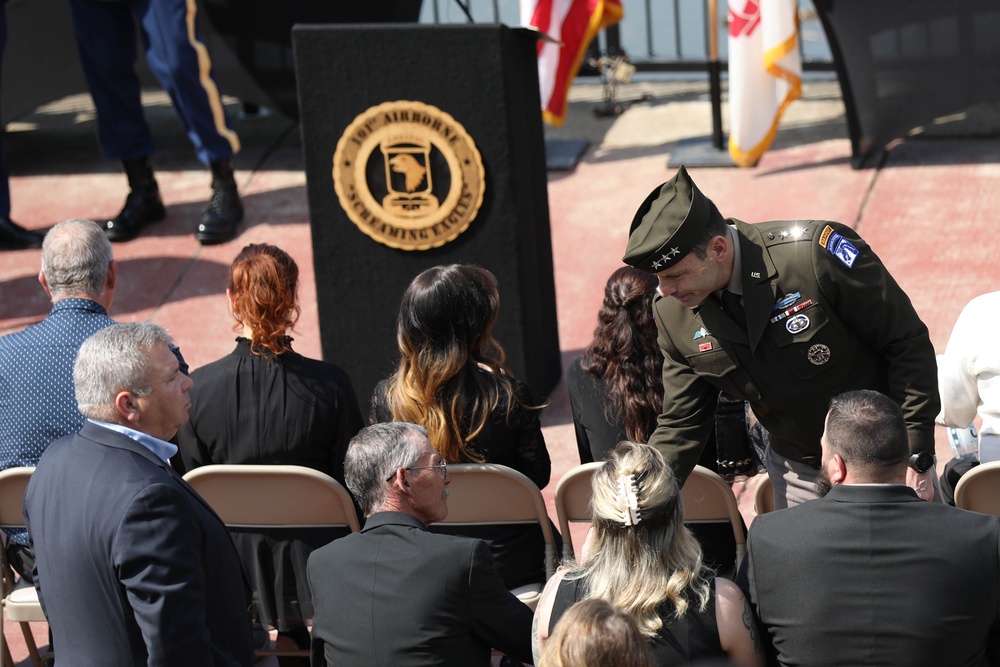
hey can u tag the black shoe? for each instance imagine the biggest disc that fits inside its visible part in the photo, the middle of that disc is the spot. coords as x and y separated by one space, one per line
225 211
142 206
15 237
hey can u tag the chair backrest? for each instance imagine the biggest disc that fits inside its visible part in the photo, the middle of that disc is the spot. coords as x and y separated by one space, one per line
708 499
13 483
763 495
979 489
486 494
261 496
573 501
20 605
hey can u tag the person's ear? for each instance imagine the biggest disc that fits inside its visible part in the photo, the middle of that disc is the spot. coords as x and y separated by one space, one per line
44 283
127 407
719 248
401 480
112 276
837 470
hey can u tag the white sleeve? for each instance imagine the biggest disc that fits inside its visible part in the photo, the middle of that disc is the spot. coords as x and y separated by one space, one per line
958 376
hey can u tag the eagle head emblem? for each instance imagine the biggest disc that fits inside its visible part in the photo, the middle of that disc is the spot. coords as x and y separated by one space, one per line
412 170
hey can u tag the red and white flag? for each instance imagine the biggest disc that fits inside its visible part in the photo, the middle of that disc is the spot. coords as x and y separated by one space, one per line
765 73
573 24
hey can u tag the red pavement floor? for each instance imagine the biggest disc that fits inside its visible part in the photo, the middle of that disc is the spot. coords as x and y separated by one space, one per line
928 211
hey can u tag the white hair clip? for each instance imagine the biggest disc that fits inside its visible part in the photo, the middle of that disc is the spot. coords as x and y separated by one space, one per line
627 501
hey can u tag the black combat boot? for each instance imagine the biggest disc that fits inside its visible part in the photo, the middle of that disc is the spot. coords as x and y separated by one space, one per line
225 211
15 237
142 206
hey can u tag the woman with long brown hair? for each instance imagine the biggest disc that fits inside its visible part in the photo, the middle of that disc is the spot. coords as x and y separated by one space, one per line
266 404
450 379
616 388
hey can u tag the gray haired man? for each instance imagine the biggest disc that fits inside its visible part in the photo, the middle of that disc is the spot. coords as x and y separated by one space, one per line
132 567
396 594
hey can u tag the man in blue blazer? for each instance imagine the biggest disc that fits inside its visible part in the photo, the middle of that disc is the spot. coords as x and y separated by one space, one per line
132 566
395 594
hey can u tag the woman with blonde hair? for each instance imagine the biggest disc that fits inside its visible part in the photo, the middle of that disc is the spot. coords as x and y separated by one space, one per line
592 633
450 379
643 560
266 404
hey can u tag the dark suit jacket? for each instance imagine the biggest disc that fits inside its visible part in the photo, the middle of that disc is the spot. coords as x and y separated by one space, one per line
396 594
872 575
132 566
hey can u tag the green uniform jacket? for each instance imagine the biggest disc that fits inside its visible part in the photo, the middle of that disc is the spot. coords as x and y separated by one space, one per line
823 317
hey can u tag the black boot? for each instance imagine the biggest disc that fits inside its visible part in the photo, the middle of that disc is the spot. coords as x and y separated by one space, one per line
15 237
142 206
225 211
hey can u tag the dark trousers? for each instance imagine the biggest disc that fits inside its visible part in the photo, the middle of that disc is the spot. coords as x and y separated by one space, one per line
953 471
4 176
105 37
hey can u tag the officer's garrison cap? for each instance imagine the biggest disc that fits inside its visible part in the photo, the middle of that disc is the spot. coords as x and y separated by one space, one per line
669 224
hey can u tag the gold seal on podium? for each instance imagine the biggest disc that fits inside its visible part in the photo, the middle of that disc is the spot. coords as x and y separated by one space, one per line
408 175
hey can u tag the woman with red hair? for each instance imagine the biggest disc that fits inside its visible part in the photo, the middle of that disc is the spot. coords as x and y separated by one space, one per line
266 404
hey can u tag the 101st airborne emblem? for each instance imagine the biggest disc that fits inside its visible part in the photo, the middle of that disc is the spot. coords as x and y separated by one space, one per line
408 175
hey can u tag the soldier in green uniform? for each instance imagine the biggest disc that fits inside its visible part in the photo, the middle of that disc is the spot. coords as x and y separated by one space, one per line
785 315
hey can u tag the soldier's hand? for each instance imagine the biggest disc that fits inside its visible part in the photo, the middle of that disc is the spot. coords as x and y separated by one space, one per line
922 483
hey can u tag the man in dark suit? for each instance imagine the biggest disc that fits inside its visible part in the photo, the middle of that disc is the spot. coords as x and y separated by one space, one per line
396 594
784 315
870 574
132 567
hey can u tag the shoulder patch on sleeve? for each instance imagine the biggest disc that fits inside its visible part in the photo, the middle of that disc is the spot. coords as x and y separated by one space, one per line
840 247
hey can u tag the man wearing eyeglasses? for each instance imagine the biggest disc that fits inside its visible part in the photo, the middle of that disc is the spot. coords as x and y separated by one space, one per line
396 594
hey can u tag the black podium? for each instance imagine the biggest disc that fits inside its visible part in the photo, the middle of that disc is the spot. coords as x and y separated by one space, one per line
434 137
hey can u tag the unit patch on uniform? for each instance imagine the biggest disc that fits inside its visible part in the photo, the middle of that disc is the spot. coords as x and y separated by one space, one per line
818 354
838 246
842 249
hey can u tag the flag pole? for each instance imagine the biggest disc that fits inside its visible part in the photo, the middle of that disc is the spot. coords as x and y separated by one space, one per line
707 151
714 73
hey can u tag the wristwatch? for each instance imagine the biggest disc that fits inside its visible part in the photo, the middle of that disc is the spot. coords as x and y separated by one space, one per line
921 462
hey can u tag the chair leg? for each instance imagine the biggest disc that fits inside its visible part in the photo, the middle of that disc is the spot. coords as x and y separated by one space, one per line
29 641
5 659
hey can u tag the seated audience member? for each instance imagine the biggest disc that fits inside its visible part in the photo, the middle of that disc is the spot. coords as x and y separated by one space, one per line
592 633
132 567
451 381
266 404
615 387
967 380
37 404
643 561
396 594
870 574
